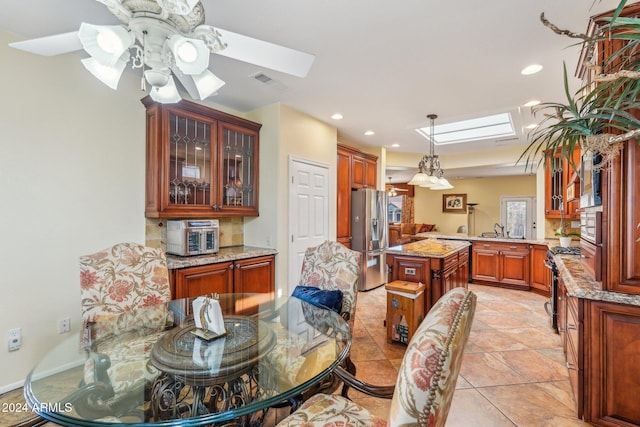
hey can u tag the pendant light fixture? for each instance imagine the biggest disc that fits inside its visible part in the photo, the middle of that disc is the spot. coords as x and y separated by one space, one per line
430 174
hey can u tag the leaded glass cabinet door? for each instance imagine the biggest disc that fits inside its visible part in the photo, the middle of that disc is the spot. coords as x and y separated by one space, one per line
191 155
238 168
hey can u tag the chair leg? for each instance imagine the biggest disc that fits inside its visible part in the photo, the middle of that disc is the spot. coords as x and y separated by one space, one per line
351 368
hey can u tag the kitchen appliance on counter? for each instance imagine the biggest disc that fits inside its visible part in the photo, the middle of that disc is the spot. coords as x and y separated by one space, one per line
187 237
369 235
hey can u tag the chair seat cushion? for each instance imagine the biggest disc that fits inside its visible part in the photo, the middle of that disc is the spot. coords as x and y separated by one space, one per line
328 298
323 410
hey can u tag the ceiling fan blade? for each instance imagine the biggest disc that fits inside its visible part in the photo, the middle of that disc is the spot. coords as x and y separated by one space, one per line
50 45
265 54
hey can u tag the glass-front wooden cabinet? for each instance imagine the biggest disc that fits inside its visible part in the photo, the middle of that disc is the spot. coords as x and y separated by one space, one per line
558 174
200 162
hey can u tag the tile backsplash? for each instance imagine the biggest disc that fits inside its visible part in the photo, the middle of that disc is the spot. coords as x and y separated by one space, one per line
231 232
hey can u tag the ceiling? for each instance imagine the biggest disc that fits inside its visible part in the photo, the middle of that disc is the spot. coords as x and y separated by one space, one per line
384 65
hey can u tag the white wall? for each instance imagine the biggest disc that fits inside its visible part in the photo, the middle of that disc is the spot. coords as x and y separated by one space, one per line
72 179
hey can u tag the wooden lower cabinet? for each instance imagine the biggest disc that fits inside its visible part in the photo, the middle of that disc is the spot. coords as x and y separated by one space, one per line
255 276
540 276
250 275
201 280
601 341
612 365
501 263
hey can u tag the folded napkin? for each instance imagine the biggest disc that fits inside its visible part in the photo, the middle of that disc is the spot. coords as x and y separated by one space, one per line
208 315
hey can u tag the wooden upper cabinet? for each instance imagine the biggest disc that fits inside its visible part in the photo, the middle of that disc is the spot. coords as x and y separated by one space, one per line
621 222
355 169
558 174
200 162
364 171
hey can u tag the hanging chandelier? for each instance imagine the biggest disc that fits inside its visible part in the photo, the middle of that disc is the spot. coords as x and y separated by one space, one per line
430 174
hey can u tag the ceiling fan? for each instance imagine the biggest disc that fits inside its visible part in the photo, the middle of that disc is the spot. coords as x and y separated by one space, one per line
393 191
166 37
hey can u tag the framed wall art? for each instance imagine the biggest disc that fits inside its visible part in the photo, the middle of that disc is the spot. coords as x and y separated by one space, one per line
454 203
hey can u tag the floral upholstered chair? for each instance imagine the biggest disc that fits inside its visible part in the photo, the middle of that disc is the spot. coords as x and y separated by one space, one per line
426 380
333 266
123 289
329 266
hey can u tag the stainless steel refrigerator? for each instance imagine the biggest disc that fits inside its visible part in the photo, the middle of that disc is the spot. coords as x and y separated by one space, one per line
369 235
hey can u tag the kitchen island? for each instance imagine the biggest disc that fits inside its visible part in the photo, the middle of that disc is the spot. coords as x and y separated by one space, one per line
506 262
440 265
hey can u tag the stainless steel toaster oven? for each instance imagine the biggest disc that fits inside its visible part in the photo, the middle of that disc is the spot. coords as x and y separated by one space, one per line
193 237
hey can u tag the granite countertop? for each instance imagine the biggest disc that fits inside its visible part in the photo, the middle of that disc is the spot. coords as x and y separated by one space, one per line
579 284
429 248
231 253
464 236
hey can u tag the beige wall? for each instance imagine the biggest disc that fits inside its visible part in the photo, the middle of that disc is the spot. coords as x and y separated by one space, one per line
285 133
484 191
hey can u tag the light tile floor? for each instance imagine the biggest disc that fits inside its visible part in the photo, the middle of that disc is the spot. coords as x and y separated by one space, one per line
513 372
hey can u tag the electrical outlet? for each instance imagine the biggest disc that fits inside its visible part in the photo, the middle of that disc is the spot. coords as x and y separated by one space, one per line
64 325
15 339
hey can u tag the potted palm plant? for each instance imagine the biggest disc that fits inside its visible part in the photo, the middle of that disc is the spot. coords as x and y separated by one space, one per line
599 117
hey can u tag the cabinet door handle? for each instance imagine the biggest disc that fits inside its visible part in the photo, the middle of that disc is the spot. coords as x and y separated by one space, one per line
231 267
570 326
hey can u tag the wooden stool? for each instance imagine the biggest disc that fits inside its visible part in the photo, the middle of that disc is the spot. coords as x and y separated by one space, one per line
405 309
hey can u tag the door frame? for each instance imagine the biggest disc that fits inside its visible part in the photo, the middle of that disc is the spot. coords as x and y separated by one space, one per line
291 254
531 211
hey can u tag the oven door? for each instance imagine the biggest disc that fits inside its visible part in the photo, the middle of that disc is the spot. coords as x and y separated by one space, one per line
551 306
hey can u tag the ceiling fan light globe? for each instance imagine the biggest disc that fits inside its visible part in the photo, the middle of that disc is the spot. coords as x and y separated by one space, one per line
191 55
157 78
105 43
207 84
167 94
107 74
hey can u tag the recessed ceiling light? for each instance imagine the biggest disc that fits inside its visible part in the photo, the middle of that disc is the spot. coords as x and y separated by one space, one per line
532 103
369 132
396 145
337 116
531 126
531 69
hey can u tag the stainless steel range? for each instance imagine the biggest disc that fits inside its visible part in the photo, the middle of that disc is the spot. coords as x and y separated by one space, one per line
551 306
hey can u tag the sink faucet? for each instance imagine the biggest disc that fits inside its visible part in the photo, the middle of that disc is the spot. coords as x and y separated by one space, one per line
497 226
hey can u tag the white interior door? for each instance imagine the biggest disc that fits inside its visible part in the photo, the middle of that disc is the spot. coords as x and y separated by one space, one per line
518 215
308 211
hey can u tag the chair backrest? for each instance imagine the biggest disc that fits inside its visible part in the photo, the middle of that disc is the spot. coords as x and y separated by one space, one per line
331 265
122 278
429 370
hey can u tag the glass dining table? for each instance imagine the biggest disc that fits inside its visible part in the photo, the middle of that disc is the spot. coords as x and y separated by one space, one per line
149 366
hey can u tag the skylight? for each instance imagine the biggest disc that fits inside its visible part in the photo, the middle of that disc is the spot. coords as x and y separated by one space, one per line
496 126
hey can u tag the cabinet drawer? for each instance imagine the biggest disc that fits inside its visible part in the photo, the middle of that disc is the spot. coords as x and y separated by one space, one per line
450 262
463 256
591 257
591 226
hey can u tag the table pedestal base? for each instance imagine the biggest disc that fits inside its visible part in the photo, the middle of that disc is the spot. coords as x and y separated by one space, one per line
174 397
